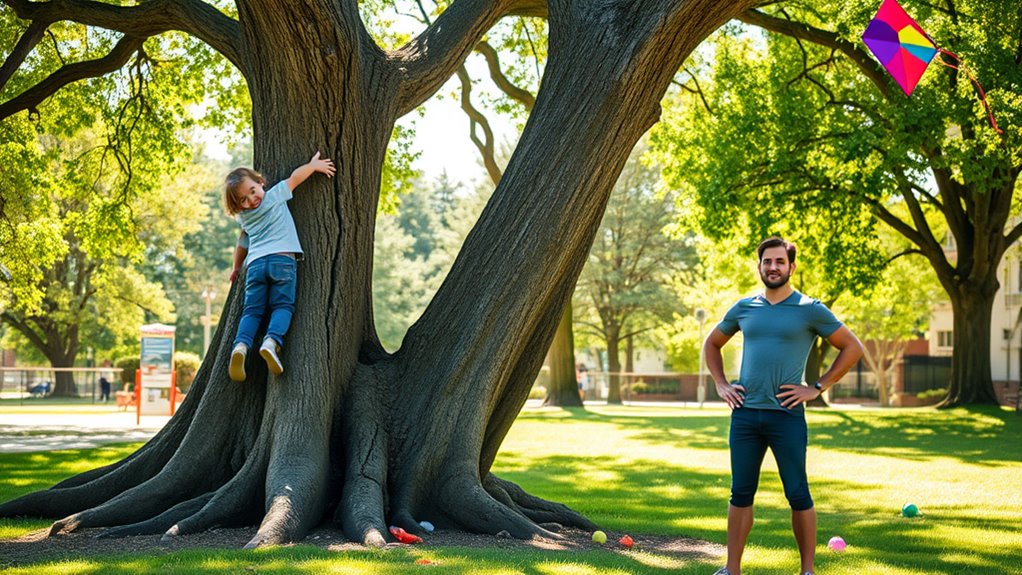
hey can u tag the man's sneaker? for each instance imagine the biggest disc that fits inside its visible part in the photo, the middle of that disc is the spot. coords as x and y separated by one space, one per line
237 369
269 351
722 571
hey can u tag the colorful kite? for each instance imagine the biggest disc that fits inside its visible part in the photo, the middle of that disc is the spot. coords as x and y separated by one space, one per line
900 44
905 50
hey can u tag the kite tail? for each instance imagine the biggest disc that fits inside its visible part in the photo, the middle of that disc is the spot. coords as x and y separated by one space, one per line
982 95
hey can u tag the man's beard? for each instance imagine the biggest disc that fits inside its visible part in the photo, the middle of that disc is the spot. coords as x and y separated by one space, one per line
777 283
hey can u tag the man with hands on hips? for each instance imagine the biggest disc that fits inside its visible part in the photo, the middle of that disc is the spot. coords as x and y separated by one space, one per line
779 327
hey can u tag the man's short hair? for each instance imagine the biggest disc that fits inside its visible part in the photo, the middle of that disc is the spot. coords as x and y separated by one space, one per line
776 242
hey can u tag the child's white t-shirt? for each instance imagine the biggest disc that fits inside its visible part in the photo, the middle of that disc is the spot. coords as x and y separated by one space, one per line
270 227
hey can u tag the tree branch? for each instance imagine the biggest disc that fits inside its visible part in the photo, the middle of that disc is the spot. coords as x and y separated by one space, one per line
698 89
35 32
29 99
520 95
146 19
477 118
1014 235
25 329
798 30
1018 49
918 216
429 60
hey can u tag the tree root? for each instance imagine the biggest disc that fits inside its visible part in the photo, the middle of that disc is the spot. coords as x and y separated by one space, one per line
476 510
535 508
161 522
234 499
363 495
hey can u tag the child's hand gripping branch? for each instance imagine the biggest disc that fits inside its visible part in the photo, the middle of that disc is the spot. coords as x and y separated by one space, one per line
268 246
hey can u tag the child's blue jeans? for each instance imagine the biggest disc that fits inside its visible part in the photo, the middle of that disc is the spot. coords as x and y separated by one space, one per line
785 433
270 284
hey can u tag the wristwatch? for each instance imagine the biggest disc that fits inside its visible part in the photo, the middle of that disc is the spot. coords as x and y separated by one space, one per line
818 386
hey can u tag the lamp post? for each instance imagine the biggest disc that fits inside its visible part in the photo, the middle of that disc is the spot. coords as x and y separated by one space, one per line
207 294
701 392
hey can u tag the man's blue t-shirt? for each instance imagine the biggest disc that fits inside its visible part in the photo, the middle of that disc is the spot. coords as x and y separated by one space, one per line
778 338
270 227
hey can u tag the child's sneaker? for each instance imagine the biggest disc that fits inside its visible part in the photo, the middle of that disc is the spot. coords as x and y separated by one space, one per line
722 571
269 351
237 369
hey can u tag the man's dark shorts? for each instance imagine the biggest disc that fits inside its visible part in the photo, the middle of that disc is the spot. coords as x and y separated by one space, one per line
785 433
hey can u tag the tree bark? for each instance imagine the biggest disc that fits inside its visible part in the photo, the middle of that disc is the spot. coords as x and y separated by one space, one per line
381 439
970 358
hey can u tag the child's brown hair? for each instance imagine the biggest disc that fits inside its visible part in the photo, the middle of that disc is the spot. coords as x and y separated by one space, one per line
231 202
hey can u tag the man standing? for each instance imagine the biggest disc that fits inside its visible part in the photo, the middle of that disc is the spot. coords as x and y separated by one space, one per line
779 327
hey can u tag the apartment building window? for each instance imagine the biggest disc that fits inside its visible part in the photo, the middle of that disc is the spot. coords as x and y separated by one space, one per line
945 339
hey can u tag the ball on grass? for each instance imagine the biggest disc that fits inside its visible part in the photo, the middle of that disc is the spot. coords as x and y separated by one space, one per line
599 537
836 544
909 510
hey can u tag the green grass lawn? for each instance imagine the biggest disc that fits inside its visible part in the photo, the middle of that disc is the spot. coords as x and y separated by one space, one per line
665 471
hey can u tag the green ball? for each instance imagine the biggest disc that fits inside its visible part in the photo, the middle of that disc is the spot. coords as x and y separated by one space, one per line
909 510
599 537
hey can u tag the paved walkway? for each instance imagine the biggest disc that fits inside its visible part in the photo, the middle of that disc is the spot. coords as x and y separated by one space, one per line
23 432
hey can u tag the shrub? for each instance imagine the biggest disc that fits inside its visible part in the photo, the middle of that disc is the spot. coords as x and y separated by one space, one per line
641 387
186 364
128 366
537 392
933 394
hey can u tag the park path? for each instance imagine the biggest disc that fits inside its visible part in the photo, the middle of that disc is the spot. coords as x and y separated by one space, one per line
26 432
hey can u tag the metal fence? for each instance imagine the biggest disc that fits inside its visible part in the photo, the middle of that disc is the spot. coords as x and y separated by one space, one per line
31 383
925 372
685 386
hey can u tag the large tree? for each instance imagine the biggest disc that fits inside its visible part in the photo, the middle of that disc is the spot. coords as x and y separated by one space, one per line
379 438
834 131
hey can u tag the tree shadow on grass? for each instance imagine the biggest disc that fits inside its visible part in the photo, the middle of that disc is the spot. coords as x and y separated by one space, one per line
925 541
983 435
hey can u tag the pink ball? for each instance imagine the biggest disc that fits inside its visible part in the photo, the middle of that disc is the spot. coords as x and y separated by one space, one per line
836 544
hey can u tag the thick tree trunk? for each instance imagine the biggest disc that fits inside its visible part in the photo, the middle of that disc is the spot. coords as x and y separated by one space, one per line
63 381
971 379
563 385
382 439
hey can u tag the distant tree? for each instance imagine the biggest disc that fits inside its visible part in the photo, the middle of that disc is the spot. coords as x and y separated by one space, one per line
203 260
402 282
78 252
890 314
624 290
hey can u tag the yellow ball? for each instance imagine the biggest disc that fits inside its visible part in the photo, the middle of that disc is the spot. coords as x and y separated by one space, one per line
599 537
